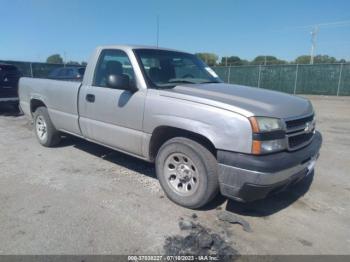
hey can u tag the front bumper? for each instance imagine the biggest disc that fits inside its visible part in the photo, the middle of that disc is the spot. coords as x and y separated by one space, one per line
248 177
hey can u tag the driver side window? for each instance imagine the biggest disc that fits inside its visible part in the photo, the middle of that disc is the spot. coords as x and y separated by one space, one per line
112 62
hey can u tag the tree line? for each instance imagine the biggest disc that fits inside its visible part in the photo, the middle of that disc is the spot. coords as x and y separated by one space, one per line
212 59
57 59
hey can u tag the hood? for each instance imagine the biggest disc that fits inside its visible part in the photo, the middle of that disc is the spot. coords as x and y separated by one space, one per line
248 101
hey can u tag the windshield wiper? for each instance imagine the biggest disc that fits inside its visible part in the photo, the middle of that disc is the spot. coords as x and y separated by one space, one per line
181 81
209 82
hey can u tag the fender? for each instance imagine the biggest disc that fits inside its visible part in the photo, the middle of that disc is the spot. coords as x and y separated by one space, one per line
225 130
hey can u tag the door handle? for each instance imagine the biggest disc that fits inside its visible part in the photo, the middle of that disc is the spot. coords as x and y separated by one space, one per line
90 98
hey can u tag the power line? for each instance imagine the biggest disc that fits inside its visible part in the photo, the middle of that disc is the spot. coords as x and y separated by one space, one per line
335 24
315 30
342 23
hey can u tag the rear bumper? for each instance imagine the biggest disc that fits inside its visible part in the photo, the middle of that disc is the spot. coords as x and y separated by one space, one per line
248 177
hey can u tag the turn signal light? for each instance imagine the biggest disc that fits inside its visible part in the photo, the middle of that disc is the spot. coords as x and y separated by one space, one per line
256 147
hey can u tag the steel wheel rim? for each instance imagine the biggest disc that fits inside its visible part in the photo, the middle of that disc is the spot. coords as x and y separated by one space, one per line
181 174
41 128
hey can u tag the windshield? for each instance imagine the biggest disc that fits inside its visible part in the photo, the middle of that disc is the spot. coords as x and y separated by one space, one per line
165 69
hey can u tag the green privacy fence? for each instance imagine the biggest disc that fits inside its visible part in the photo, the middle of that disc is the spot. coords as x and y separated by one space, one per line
39 70
317 79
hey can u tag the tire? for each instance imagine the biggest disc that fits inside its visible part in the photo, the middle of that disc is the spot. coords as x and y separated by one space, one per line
45 131
192 181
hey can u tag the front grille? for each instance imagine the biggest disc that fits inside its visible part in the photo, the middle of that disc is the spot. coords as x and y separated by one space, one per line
295 141
300 132
299 122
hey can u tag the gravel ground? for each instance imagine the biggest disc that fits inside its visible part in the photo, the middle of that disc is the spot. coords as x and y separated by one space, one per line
81 198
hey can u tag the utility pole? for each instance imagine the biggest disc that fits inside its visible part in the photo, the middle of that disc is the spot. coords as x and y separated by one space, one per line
314 33
157 30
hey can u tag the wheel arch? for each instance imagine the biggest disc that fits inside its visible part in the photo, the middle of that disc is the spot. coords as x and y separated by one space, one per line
36 103
162 134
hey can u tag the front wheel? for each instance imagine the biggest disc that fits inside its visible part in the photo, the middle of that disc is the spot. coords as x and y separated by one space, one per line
187 172
45 131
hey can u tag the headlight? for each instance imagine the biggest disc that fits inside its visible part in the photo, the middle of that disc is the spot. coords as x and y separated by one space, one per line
265 124
268 135
269 146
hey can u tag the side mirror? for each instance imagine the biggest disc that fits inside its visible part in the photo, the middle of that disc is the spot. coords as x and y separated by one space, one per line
120 82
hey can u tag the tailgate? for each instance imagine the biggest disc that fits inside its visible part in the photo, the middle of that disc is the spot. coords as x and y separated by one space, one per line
8 84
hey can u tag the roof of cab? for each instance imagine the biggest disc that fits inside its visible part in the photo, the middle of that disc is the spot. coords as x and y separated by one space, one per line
132 47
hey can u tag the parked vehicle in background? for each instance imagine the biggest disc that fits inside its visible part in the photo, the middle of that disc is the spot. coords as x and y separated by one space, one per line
67 73
9 76
170 108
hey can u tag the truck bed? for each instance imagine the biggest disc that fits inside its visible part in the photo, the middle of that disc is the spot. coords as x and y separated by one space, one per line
59 96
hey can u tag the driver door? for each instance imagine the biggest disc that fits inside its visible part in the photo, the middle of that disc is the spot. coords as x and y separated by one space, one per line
112 117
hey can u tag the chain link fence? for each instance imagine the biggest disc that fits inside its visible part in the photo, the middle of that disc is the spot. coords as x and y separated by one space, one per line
317 79
37 70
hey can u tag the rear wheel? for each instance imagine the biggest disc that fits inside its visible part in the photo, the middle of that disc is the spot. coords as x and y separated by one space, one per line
187 172
45 131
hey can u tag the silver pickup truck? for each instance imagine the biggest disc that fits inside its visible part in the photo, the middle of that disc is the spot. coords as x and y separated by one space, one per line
168 107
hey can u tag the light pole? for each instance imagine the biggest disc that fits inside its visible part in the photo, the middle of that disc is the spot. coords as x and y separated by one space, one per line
314 33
